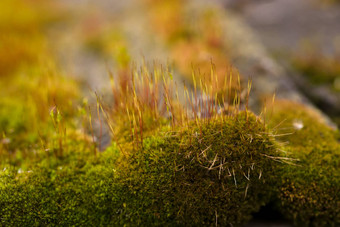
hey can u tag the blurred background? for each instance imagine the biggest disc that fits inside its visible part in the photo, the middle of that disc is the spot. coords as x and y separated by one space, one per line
291 46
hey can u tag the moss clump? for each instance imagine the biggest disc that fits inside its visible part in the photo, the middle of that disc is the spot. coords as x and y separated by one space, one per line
75 190
309 192
215 171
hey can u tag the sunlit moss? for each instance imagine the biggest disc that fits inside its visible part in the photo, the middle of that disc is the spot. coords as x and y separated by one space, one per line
308 192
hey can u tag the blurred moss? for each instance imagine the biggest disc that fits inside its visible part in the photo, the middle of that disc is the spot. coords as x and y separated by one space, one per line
319 68
26 101
110 43
308 192
30 83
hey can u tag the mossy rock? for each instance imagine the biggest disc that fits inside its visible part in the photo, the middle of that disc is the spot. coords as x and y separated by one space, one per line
216 171
309 192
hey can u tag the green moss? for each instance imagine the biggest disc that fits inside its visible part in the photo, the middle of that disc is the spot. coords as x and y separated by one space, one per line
215 171
30 84
75 190
26 100
309 192
219 171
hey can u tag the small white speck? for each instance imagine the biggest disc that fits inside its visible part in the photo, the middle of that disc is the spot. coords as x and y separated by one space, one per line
4 169
20 171
298 124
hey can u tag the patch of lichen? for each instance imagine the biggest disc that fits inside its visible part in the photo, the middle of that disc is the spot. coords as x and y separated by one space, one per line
212 171
77 189
308 192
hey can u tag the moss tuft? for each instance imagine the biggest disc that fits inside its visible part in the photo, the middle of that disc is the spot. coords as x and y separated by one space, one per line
217 171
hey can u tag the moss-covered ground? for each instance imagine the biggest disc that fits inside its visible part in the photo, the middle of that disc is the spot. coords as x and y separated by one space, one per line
308 191
190 157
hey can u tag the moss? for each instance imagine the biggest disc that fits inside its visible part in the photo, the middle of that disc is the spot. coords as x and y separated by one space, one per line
25 104
30 84
217 171
319 68
75 190
309 192
110 43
